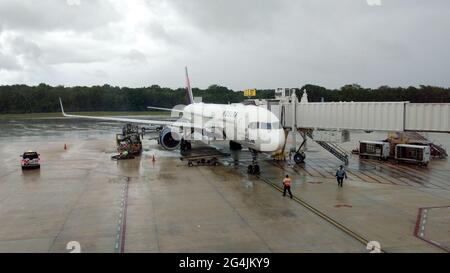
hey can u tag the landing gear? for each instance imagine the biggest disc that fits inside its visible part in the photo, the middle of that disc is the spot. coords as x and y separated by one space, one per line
253 168
185 145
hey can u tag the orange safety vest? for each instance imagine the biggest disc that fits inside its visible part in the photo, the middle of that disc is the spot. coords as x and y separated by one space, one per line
287 182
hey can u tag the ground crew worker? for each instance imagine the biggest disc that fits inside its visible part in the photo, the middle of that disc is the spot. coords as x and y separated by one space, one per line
340 175
287 185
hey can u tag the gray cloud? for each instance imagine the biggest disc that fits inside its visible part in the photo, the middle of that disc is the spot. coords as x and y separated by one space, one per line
8 63
55 14
23 47
240 44
231 16
135 56
158 31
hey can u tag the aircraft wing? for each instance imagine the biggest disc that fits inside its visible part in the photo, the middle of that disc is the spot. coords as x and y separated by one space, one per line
165 109
178 111
130 120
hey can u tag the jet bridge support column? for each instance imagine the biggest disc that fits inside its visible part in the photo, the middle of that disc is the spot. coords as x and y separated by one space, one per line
299 154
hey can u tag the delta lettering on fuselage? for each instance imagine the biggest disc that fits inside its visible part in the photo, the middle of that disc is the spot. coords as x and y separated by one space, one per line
230 114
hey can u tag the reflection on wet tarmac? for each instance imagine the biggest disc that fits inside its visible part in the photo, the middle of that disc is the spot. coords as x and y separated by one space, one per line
80 193
55 128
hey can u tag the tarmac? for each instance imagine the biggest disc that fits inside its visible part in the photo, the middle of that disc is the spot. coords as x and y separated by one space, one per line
141 205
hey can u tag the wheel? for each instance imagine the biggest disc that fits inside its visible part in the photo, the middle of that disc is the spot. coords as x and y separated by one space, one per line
299 158
256 169
183 146
250 169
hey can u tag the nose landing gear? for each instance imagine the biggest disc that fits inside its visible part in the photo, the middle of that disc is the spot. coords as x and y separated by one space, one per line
254 168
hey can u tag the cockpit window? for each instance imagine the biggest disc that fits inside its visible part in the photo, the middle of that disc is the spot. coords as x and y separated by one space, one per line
273 125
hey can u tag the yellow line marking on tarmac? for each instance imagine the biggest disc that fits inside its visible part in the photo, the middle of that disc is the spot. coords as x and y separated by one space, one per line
322 215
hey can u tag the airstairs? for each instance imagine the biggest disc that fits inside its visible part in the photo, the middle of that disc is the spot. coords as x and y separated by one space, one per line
435 149
333 148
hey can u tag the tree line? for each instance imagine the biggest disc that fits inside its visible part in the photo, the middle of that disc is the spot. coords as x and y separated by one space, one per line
44 98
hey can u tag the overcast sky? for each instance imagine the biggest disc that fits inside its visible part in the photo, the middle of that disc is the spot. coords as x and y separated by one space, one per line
236 43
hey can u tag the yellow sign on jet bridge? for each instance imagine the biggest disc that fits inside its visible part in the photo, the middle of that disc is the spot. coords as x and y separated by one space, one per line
250 92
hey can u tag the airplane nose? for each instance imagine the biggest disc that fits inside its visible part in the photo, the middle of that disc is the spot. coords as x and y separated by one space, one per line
282 139
275 142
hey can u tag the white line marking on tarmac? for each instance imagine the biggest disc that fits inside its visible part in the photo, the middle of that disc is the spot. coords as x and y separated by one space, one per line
435 242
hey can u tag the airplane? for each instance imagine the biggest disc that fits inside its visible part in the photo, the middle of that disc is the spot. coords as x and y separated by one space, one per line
249 126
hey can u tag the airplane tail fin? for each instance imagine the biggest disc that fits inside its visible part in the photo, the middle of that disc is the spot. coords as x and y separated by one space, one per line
62 107
189 95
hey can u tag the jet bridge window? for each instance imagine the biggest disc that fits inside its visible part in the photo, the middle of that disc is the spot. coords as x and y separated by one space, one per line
264 125
267 125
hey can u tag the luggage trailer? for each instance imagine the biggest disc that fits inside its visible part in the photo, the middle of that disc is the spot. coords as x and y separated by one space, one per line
418 154
374 149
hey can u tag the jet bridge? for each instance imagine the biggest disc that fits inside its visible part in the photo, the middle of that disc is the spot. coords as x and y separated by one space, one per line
311 118
367 116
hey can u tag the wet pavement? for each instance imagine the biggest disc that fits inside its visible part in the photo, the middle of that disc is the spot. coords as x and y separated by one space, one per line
141 205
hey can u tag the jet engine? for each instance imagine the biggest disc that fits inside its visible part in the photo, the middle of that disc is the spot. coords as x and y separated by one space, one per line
169 139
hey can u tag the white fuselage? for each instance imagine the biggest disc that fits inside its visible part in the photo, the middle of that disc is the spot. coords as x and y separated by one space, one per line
249 125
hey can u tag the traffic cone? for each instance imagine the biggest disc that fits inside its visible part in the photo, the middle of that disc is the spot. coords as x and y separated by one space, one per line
65 146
